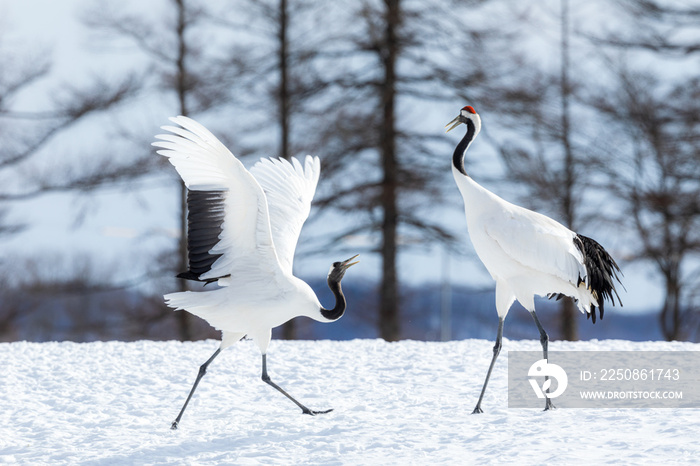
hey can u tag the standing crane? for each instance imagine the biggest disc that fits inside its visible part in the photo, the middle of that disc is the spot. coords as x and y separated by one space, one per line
527 253
243 228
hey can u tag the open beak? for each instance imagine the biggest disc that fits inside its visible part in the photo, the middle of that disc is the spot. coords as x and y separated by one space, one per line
457 121
345 264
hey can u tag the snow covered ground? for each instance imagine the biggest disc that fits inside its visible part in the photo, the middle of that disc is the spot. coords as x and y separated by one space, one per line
394 403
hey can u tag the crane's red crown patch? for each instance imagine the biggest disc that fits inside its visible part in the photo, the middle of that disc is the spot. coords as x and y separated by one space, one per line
469 108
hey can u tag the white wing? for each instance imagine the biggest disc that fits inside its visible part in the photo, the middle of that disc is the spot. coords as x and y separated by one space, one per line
244 247
537 242
289 189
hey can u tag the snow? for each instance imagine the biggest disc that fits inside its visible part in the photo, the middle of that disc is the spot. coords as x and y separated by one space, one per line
407 402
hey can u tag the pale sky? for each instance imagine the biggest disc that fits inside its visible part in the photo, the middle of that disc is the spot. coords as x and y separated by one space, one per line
118 224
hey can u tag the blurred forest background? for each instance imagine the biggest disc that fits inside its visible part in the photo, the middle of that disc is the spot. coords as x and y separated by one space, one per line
591 114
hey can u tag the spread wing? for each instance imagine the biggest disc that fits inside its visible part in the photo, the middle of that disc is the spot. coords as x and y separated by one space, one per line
289 189
538 242
228 220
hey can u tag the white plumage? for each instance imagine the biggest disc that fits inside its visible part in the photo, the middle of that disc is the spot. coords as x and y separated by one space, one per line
243 228
527 253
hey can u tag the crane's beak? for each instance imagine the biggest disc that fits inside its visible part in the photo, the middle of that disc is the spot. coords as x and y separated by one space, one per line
457 121
347 264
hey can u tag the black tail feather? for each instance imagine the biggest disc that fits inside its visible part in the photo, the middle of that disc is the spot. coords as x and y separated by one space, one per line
602 271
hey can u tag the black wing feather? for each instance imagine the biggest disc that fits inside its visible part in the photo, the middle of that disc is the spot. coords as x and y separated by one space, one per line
205 217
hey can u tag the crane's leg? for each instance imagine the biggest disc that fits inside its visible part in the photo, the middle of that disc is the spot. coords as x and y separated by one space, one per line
202 371
544 340
496 350
266 379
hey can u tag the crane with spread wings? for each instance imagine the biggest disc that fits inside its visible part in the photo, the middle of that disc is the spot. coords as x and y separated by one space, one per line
243 228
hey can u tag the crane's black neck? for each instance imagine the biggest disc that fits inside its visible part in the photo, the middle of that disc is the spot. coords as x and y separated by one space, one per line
461 149
340 304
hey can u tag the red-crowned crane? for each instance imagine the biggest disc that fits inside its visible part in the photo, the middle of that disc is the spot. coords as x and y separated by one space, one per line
243 228
527 253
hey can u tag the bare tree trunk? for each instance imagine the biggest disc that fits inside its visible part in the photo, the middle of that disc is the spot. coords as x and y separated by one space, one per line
289 330
569 327
568 312
670 316
183 318
389 328
283 89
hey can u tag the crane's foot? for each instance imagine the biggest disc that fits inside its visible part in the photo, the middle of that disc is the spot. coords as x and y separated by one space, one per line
313 413
549 406
173 426
477 410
